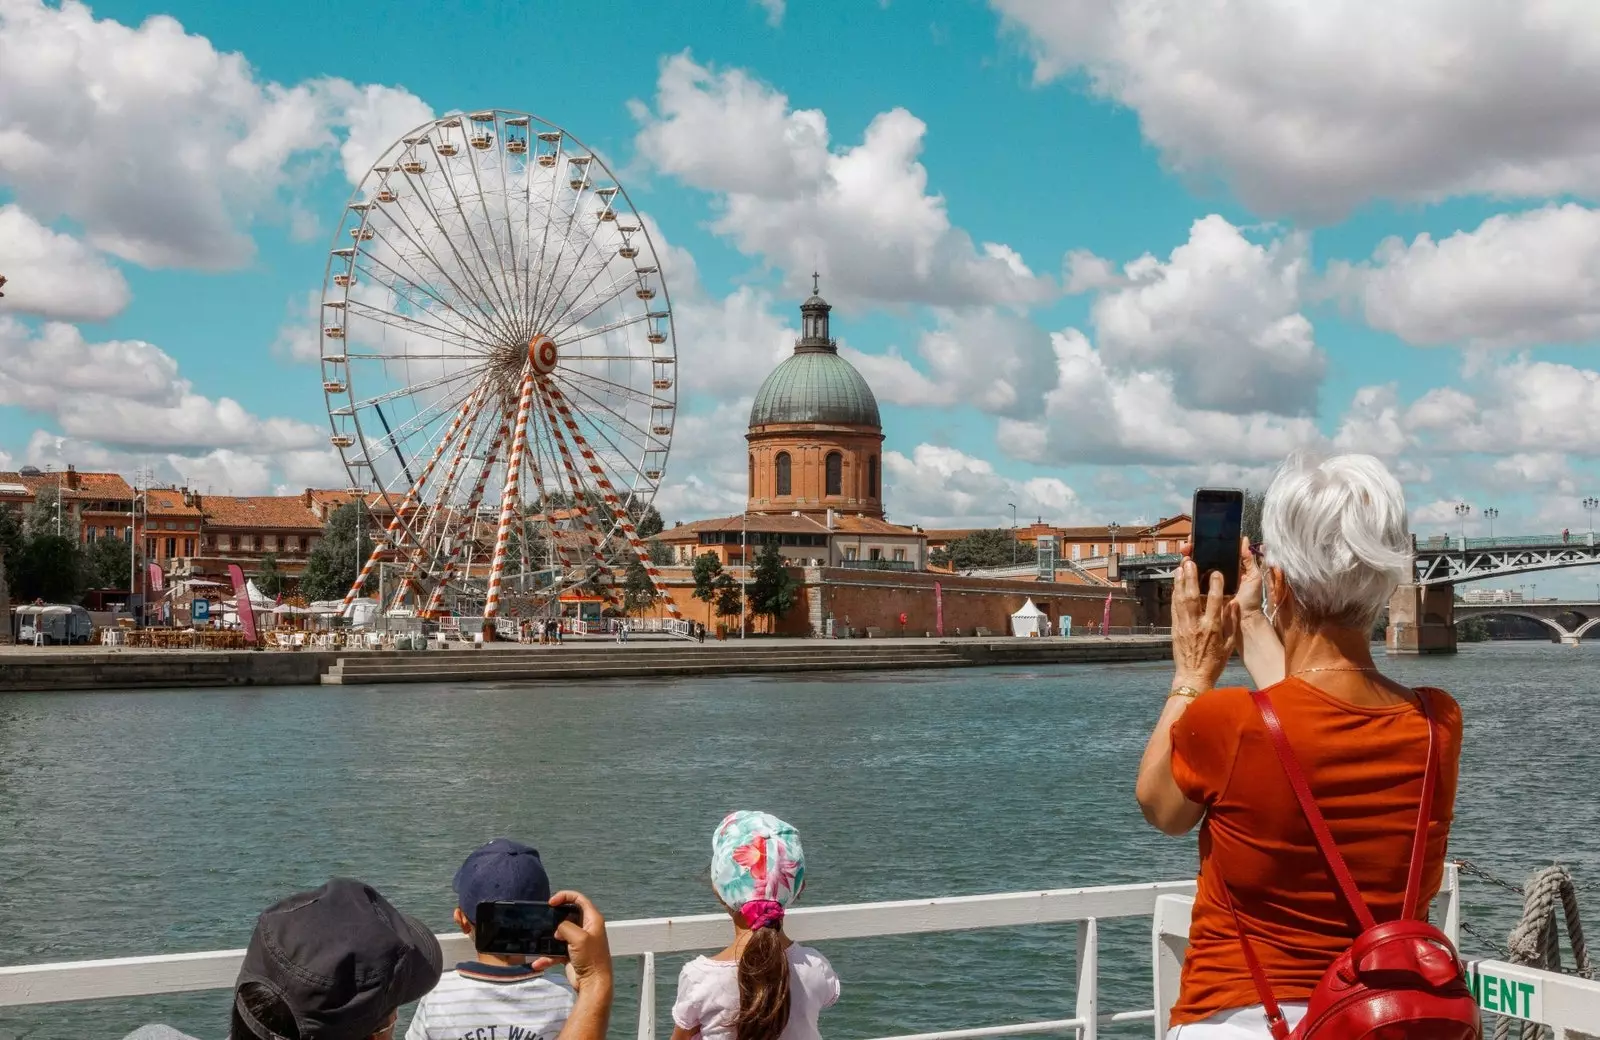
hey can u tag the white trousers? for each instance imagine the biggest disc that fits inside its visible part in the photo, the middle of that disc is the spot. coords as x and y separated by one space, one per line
1246 1023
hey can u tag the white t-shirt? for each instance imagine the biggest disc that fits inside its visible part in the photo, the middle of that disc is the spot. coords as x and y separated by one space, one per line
708 995
484 1000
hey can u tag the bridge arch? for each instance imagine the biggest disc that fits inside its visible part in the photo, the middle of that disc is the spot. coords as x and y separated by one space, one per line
1561 633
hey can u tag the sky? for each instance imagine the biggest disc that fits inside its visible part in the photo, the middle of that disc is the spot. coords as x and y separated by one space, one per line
1090 254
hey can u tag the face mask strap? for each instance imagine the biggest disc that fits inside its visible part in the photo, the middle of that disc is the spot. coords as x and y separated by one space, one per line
1267 610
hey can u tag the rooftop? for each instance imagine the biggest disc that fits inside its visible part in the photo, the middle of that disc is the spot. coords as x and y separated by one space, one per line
275 511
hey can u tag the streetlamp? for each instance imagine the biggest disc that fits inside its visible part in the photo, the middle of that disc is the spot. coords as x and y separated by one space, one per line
744 563
1591 504
1489 515
1112 529
1463 511
1013 533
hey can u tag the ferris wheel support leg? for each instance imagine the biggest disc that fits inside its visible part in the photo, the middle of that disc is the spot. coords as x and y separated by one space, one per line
550 399
464 528
508 504
613 502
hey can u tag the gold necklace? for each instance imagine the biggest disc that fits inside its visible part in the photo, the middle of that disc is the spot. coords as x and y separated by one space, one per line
1332 668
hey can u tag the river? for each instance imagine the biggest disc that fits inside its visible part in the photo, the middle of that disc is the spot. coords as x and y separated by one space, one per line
151 822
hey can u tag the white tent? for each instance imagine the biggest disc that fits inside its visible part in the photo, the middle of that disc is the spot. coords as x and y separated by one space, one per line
1030 621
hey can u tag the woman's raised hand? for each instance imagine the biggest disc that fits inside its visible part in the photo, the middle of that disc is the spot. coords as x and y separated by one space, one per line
1205 628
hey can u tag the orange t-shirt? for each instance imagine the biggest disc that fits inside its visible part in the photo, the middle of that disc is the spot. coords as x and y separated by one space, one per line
1364 766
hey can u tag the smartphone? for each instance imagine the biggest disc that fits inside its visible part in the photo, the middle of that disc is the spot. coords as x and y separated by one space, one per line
1218 519
511 927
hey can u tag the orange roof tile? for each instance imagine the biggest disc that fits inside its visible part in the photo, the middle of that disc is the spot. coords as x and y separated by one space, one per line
89 485
277 512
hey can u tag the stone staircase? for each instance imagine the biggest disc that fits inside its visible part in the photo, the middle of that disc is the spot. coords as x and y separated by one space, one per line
757 657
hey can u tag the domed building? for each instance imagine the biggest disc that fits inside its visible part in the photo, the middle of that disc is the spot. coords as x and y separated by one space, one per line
816 441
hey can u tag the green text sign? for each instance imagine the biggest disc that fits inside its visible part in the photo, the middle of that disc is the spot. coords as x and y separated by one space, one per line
1501 989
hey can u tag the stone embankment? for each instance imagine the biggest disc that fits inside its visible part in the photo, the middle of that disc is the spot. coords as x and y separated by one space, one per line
25 668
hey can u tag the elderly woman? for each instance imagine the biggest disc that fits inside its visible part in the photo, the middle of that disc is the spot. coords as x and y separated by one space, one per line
1335 546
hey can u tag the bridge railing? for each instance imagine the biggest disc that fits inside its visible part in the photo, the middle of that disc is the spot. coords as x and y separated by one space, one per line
1453 543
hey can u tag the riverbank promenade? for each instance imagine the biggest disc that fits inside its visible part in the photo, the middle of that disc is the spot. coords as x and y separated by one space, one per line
40 668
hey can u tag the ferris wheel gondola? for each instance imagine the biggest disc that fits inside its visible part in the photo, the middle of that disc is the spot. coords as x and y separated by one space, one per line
498 358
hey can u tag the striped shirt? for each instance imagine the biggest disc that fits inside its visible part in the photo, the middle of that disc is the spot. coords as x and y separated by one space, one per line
490 1002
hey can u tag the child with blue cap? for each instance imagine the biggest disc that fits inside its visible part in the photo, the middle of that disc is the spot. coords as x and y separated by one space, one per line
500 996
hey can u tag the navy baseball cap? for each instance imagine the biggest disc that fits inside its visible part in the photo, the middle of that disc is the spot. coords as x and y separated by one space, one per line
500 870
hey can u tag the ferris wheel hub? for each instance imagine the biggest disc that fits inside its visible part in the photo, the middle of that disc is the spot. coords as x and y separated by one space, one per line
542 354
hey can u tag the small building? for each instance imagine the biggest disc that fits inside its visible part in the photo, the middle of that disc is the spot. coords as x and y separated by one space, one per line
247 529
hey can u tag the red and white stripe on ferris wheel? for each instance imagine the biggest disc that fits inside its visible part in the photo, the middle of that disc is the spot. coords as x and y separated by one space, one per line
396 524
468 523
580 503
508 498
620 515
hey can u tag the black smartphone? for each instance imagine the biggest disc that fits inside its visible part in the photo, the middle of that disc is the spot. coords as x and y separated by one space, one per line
512 927
1218 520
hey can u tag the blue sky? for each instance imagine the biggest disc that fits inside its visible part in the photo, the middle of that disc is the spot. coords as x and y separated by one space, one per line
1086 261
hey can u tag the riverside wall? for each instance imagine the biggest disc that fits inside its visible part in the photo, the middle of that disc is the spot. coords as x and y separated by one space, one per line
60 669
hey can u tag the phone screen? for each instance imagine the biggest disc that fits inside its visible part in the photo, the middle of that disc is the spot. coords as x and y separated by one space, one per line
514 927
1218 519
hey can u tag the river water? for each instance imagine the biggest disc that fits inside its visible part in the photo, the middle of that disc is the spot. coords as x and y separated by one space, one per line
162 822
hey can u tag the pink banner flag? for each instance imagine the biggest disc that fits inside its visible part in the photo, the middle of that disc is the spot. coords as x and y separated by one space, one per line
1105 617
938 609
247 610
157 580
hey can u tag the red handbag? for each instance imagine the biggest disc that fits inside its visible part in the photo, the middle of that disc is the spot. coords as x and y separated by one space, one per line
1401 980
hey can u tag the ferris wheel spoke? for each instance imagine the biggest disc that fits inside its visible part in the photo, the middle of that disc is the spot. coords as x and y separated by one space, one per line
542 304
489 325
428 384
649 440
422 291
425 197
618 286
605 432
513 311
508 314
553 302
600 330
416 325
611 387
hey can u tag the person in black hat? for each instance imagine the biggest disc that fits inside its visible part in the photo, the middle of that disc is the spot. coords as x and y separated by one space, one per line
495 995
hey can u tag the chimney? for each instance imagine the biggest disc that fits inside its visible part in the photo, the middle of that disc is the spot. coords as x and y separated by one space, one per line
188 497
830 520
72 477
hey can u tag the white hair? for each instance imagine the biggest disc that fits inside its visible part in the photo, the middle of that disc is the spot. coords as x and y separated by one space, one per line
1336 528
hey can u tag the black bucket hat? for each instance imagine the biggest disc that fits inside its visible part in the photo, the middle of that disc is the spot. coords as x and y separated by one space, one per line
341 958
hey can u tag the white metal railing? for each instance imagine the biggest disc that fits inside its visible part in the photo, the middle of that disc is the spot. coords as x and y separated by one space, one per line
1560 1001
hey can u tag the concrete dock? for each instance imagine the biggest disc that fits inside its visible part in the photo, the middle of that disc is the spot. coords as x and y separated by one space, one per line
36 668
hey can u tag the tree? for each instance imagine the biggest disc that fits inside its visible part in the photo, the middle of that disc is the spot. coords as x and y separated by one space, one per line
1474 630
51 569
332 566
648 522
108 563
1251 525
993 548
729 600
774 590
707 570
639 592
41 515
272 581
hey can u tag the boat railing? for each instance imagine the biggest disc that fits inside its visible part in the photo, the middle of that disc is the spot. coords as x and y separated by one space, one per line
1561 1001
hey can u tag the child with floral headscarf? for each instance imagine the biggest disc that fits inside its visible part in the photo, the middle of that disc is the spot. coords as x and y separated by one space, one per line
763 986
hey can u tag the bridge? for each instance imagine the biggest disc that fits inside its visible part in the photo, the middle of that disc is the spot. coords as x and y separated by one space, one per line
1422 613
1555 615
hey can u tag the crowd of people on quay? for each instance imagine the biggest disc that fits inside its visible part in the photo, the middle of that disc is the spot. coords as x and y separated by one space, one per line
1324 797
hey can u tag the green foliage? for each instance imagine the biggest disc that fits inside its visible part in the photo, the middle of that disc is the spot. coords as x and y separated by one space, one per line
638 592
332 566
12 538
41 516
50 568
108 563
992 548
773 590
660 553
1252 515
729 599
648 522
269 579
707 571
1473 630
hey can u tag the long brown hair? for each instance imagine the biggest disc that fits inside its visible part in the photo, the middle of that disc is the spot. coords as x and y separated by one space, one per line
763 987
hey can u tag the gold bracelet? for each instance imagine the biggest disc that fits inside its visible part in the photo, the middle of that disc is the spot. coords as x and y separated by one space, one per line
1184 691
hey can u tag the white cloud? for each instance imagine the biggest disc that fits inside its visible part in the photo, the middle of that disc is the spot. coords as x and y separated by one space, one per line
1374 424
774 9
707 475
1222 315
1517 279
989 358
54 275
862 216
223 471
299 338
1100 415
128 393
1312 109
944 487
1521 407
1082 271
161 148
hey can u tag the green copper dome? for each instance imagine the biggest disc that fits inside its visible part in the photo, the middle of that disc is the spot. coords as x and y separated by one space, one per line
815 386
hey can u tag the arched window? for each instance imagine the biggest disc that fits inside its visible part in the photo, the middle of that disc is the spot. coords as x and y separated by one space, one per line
835 468
872 477
783 474
752 476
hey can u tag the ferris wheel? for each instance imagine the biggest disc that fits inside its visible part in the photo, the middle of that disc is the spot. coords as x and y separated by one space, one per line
499 364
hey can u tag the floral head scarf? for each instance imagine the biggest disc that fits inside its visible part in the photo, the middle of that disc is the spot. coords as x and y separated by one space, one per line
757 866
